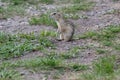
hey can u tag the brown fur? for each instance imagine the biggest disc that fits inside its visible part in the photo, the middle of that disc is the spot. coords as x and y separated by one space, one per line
65 27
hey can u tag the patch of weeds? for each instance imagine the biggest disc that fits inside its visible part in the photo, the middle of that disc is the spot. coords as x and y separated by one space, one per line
47 1
104 65
52 54
30 36
11 49
93 76
71 1
46 33
71 53
42 63
14 2
11 11
1 12
103 69
107 43
38 42
77 67
45 42
42 20
36 64
48 63
17 2
78 1
1 9
108 33
101 51
105 36
52 62
9 65
21 2
66 56
4 37
88 35
17 45
77 7
9 75
117 46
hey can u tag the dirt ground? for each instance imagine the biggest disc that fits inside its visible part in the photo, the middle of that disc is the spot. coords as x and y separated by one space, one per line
97 18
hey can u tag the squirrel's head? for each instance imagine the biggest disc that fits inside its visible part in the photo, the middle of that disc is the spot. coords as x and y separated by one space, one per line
56 16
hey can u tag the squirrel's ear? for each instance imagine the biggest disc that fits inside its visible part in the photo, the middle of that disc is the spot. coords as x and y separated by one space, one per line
54 13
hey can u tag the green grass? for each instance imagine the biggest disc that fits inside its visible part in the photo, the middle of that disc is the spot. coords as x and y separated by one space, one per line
103 69
117 47
89 34
46 33
13 2
9 75
105 36
77 7
104 66
42 63
93 76
34 64
20 2
47 62
8 72
78 1
71 11
42 20
107 43
11 11
72 53
38 64
47 1
101 51
77 67
1 9
17 45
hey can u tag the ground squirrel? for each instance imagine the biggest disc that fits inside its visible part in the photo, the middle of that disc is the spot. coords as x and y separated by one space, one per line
65 27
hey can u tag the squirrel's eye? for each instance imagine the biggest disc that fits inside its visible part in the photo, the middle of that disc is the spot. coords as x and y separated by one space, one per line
54 13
